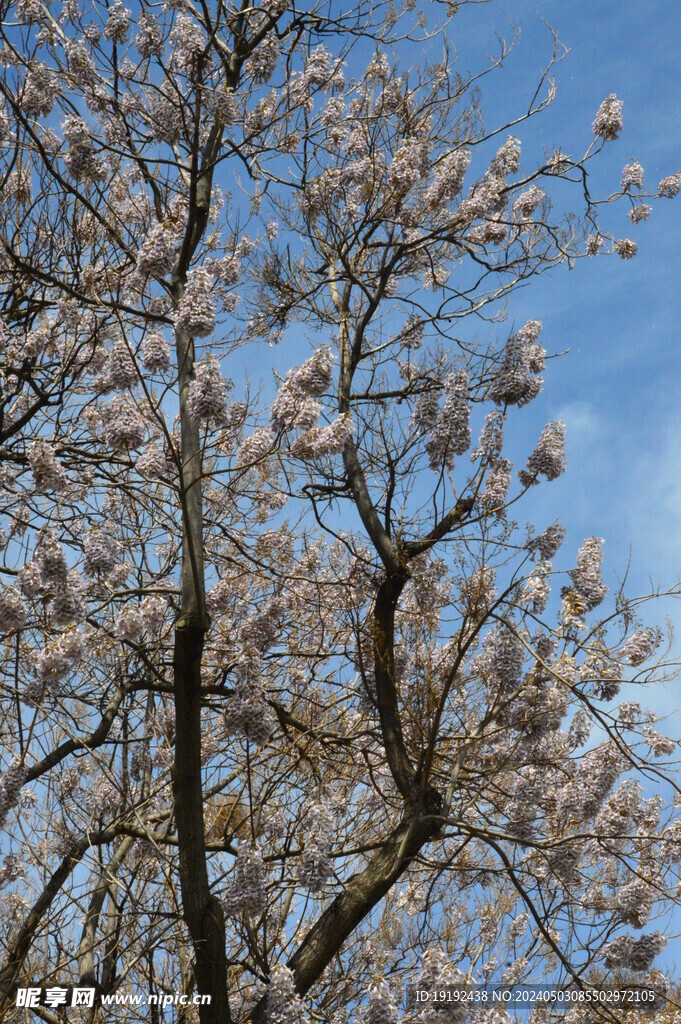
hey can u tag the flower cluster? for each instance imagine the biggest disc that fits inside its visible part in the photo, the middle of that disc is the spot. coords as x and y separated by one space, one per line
57 658
537 589
66 604
632 176
207 399
262 61
491 231
29 11
497 486
248 714
491 440
247 893
582 798
50 561
437 973
382 1008
411 335
426 412
501 659
284 1005
48 473
507 159
166 119
410 165
640 646
13 611
36 342
626 248
639 212
130 625
478 592
187 43
324 442
12 869
155 462
256 447
451 434
548 458
321 70
195 313
118 23
157 252
608 120
120 371
527 202
295 404
81 160
587 580
101 552
155 353
448 179
314 866
516 381
149 38
11 782
153 610
634 954
39 92
546 544
124 429
635 902
670 186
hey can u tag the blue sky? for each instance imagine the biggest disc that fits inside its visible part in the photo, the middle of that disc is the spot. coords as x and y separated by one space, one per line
618 386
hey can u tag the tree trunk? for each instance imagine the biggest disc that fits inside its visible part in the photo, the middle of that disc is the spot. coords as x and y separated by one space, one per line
202 911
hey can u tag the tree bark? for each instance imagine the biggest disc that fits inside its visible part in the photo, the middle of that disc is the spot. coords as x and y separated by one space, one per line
202 911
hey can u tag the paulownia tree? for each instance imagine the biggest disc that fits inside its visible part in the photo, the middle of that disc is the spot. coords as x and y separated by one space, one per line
290 717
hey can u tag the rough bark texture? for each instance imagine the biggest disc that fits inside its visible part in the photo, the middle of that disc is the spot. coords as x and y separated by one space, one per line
202 911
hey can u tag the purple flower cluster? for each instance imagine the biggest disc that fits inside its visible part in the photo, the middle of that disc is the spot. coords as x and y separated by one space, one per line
101 552
284 1005
587 580
13 611
634 954
632 176
324 442
640 646
451 434
608 120
48 473
382 1008
155 353
157 252
548 458
207 400
196 310
248 713
80 158
546 544
11 782
501 659
516 382
247 892
124 428
314 866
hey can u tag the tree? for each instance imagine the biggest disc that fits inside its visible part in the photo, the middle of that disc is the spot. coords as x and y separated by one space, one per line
283 660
